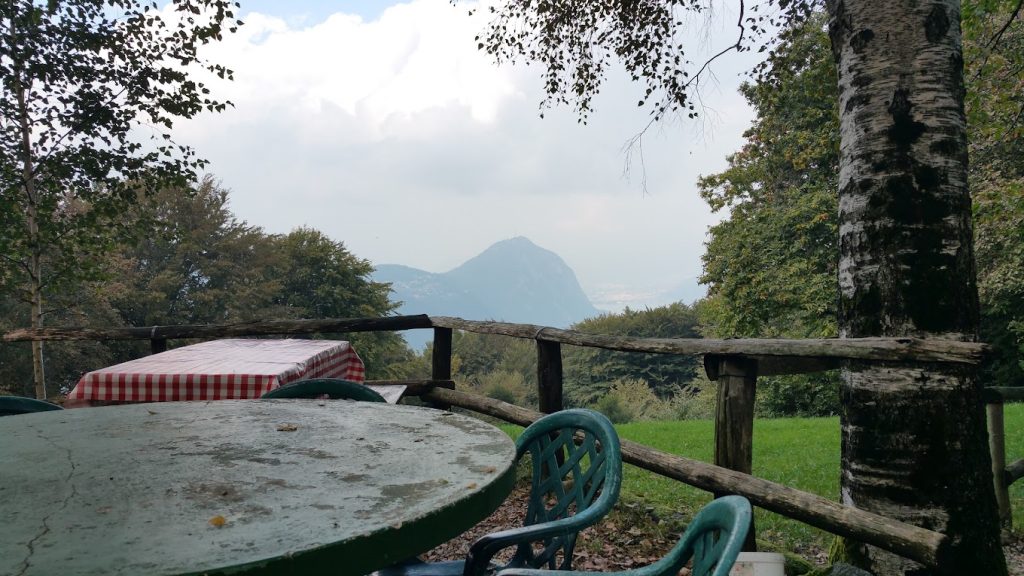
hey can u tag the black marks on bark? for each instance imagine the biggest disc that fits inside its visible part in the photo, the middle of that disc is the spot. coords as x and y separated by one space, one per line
904 130
838 26
928 178
860 40
911 265
862 312
936 24
862 80
858 99
947 146
902 422
957 60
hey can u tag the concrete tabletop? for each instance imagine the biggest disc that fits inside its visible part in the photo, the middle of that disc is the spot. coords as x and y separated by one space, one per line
241 487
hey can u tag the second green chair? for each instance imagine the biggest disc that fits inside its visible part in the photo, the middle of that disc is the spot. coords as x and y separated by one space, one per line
13 405
330 387
711 542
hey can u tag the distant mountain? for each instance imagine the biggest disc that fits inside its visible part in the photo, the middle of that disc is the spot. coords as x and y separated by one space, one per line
513 281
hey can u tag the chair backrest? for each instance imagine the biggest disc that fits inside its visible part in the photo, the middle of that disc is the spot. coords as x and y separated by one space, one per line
331 387
577 471
713 540
11 405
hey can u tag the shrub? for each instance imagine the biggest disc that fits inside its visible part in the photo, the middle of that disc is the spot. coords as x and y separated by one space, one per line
801 395
632 399
697 401
611 406
506 386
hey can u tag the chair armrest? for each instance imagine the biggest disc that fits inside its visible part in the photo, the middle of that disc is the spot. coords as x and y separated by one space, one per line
483 550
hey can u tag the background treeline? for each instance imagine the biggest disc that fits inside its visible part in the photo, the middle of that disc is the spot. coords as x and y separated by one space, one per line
190 261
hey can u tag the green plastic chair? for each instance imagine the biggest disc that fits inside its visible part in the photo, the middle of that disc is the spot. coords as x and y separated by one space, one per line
573 486
712 541
331 387
12 405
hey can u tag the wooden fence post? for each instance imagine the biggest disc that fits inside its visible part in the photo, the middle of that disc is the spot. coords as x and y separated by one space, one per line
549 376
157 345
441 358
997 449
734 419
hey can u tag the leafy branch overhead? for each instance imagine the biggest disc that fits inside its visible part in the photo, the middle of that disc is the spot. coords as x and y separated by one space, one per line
577 43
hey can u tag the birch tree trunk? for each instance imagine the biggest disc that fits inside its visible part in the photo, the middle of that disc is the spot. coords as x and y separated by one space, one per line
34 242
913 436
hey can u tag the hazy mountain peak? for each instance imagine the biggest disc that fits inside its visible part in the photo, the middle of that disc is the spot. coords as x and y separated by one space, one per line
513 280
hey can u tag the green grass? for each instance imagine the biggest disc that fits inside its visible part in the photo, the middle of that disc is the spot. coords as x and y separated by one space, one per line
802 453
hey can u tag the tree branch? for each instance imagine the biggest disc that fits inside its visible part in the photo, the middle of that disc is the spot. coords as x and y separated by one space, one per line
994 40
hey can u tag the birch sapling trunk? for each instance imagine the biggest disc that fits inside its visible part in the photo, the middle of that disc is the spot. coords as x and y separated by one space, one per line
913 435
35 259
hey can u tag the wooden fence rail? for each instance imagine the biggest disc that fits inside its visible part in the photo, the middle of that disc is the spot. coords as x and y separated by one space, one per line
827 350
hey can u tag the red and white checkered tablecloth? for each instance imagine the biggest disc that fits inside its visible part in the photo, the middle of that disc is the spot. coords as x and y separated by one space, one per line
219 370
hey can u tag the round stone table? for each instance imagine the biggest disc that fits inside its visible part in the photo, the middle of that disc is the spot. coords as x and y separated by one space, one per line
241 486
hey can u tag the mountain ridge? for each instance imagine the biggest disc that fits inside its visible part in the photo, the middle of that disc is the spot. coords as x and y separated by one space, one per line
512 280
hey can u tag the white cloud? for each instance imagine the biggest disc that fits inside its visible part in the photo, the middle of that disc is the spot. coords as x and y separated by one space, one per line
398 137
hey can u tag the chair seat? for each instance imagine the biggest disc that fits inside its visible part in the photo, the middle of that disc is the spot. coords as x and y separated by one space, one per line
419 568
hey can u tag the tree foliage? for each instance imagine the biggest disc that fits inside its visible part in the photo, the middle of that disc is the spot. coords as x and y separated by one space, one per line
475 356
576 43
504 368
198 264
771 265
320 278
994 53
591 373
88 92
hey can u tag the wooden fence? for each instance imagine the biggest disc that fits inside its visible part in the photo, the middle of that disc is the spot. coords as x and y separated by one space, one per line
735 364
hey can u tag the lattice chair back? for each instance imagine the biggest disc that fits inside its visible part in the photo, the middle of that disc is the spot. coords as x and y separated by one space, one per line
712 542
13 405
577 472
330 387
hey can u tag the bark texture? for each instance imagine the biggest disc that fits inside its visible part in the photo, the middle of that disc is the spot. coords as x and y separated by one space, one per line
32 216
913 435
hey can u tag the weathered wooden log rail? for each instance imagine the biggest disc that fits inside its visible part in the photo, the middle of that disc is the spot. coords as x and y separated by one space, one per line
159 335
734 363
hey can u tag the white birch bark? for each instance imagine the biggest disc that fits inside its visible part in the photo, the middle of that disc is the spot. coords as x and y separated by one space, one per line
913 436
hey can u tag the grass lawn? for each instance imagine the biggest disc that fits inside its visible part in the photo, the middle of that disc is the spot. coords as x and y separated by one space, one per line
799 452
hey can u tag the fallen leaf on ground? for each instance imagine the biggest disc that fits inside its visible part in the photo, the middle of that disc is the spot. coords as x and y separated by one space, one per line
287 427
218 521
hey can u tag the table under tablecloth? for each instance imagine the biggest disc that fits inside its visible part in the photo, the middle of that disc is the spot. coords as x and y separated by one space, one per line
219 370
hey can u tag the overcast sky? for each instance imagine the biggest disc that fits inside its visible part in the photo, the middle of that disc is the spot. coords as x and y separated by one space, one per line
381 124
